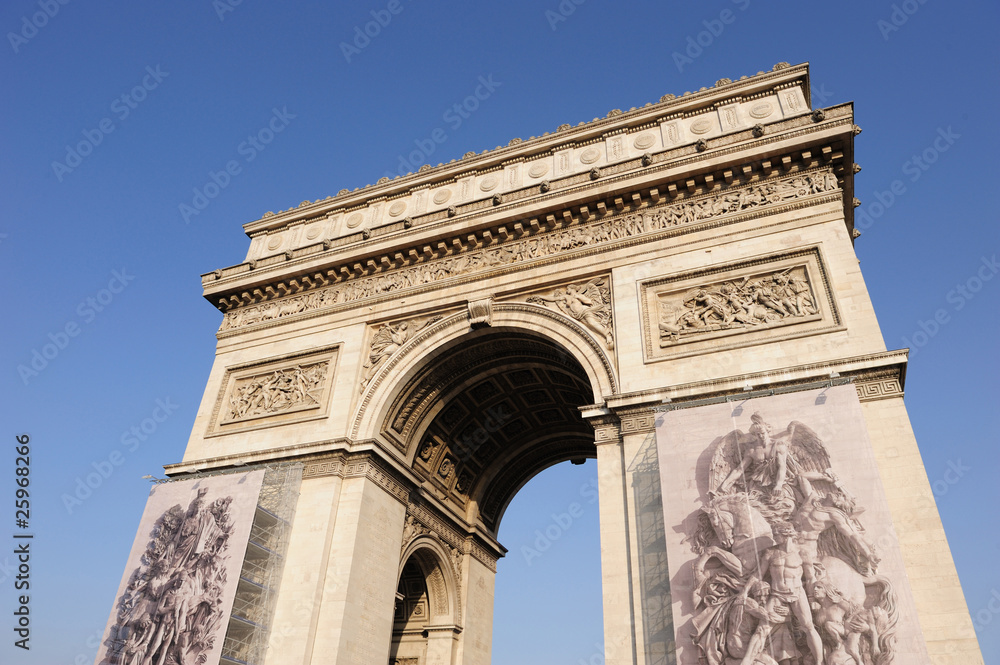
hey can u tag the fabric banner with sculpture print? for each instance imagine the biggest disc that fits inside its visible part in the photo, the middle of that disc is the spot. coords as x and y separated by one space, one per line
174 601
780 544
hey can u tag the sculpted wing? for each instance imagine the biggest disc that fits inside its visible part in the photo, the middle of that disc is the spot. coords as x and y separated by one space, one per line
727 456
806 448
598 291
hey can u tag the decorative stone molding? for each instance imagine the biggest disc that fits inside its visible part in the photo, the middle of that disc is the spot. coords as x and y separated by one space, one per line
275 391
638 423
729 306
481 313
413 401
670 160
606 430
883 384
399 437
383 479
874 390
333 467
364 465
884 372
607 233
421 520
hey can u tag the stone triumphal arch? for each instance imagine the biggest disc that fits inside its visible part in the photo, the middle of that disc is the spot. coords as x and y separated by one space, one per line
672 290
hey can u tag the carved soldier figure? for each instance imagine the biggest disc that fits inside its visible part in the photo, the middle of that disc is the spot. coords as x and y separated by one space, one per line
737 304
707 305
730 625
800 292
785 295
843 623
766 296
783 565
672 325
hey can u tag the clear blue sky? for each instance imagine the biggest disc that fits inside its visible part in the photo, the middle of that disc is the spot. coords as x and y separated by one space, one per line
212 80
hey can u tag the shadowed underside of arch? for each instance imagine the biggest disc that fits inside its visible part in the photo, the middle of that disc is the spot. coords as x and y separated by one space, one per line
487 413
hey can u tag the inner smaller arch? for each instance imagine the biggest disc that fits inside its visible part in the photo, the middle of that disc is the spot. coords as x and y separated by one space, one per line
412 614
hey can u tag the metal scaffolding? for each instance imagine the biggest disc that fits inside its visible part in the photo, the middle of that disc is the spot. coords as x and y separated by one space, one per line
253 609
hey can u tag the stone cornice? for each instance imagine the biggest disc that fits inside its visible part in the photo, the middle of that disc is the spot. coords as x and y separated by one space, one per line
724 91
878 375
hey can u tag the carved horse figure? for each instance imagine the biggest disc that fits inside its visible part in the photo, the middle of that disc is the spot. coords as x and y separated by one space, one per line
743 532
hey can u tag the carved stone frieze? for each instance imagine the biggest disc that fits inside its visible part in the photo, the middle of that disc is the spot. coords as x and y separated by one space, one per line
456 542
727 306
607 429
588 302
763 300
298 387
419 523
602 232
388 339
356 466
879 385
638 422
412 529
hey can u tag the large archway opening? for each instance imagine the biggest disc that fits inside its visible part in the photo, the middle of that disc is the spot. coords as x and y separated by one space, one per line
477 419
488 412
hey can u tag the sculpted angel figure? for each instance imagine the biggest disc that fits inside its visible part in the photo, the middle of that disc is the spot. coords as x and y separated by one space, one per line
588 303
766 460
387 340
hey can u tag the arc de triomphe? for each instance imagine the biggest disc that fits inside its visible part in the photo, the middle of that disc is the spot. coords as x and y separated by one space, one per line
672 290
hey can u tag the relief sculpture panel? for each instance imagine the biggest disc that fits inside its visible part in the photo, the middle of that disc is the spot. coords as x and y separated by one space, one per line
275 391
279 391
789 556
755 301
588 302
734 305
389 338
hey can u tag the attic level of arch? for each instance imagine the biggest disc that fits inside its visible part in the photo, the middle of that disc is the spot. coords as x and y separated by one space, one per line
782 76
834 154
